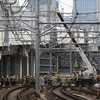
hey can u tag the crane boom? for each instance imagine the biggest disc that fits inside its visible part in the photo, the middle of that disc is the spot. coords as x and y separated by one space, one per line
90 68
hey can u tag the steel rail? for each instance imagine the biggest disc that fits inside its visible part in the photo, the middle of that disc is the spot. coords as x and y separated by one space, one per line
71 95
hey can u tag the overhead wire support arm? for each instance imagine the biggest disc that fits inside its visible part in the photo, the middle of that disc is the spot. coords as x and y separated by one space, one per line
44 33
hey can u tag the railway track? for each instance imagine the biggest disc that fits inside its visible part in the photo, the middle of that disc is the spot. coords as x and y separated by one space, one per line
26 94
12 94
71 94
57 93
31 97
3 90
68 93
83 92
20 93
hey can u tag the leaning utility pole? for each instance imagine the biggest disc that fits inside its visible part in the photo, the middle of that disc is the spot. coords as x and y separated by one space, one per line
37 46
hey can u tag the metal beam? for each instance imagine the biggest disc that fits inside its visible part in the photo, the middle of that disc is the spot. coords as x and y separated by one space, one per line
94 22
37 46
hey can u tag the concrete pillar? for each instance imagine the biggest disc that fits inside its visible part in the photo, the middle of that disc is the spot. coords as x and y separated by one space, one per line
32 66
57 64
0 54
27 65
1 68
20 68
16 66
7 66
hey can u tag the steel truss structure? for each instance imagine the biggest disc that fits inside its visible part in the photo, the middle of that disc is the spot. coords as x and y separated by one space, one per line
18 26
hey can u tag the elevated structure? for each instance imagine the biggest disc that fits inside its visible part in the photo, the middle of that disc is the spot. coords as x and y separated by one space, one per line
22 41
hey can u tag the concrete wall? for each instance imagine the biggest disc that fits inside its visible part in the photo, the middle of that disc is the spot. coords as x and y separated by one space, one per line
15 65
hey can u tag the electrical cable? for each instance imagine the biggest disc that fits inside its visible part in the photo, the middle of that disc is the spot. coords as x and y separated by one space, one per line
79 13
89 13
20 9
18 20
13 32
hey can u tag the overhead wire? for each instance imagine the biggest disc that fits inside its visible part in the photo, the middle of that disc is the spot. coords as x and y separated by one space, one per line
5 7
69 29
19 38
89 13
79 13
20 9
18 21
5 12
83 14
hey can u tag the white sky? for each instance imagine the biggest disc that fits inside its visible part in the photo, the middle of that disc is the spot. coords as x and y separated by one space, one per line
66 4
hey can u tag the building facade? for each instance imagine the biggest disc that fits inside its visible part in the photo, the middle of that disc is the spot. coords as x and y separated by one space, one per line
86 9
43 4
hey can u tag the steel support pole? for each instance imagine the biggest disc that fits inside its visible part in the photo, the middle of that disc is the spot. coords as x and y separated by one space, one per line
37 46
71 69
32 44
34 66
50 43
50 47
